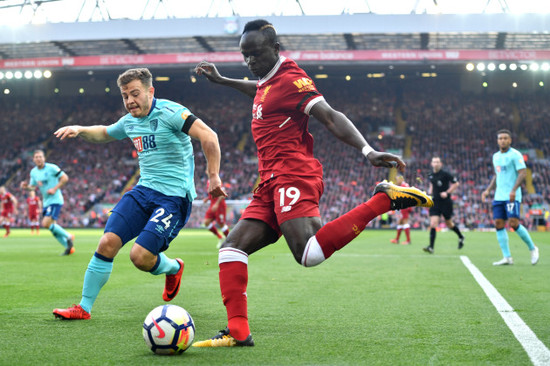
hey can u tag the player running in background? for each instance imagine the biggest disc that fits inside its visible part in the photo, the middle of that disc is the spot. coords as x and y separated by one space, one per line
403 222
49 178
34 206
216 215
286 201
158 207
510 171
8 209
442 185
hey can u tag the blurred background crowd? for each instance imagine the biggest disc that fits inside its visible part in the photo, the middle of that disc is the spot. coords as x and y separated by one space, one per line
417 121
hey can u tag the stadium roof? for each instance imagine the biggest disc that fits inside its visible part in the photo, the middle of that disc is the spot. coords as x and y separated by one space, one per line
105 28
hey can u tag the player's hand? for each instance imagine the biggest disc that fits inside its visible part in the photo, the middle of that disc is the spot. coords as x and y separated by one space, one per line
209 70
215 187
386 160
484 195
66 132
512 196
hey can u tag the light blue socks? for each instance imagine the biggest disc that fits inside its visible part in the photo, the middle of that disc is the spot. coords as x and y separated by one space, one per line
524 235
502 237
60 234
165 265
98 272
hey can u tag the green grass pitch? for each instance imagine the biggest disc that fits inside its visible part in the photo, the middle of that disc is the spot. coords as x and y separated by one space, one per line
372 303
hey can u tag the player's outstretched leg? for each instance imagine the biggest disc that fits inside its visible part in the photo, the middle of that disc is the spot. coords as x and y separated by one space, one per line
224 339
403 197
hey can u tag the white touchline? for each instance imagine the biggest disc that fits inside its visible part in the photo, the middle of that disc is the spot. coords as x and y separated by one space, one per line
536 350
282 124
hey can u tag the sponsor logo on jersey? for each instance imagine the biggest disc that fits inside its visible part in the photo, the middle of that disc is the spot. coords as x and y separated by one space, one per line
184 115
137 143
304 84
257 111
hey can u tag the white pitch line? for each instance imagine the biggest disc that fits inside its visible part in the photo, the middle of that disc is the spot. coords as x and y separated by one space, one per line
536 350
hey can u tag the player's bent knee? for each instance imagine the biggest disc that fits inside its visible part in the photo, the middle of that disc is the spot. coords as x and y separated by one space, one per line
313 254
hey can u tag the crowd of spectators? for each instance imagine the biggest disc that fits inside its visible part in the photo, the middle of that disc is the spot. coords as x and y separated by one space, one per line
442 121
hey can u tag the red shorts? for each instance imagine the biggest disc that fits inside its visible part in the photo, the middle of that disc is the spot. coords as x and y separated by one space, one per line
33 216
6 213
285 198
218 216
406 212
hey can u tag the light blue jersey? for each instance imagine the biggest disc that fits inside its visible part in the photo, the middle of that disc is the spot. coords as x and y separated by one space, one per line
165 152
47 178
506 168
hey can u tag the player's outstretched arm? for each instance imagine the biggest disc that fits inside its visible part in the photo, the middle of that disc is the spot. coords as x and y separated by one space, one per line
486 192
211 148
341 127
209 70
95 134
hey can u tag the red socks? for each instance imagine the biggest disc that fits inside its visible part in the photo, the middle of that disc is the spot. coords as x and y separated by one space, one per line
215 231
233 283
339 232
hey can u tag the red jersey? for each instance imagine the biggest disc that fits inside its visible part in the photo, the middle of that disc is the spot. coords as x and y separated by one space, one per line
7 204
280 114
33 205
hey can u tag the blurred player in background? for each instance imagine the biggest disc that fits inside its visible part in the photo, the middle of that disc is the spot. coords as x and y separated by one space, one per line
34 206
49 178
8 209
403 220
286 201
216 215
442 185
510 171
158 207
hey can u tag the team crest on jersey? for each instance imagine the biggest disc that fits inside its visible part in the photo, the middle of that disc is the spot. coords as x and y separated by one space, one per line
266 90
154 124
304 84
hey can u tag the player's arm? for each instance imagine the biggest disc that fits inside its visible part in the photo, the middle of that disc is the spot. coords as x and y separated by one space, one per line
341 127
209 70
63 179
96 134
211 149
15 203
488 190
26 186
522 173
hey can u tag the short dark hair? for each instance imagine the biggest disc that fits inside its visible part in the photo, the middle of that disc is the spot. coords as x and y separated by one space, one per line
143 74
504 131
262 25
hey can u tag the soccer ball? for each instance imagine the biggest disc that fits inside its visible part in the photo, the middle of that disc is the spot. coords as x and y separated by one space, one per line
168 330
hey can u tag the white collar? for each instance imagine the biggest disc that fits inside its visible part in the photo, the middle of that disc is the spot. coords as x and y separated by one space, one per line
273 70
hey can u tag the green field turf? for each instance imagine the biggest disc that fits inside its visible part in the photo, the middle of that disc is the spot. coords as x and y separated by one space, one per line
373 303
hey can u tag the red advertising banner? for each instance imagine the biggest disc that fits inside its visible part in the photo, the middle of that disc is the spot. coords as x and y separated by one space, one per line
300 56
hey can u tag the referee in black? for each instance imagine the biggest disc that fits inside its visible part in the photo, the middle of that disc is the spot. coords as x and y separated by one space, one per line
442 185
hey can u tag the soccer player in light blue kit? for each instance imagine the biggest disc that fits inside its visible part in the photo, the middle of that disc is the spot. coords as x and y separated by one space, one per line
160 204
49 178
509 174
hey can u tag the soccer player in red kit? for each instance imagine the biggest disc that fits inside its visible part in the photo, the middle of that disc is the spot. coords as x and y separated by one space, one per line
8 209
34 205
403 222
286 201
216 214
